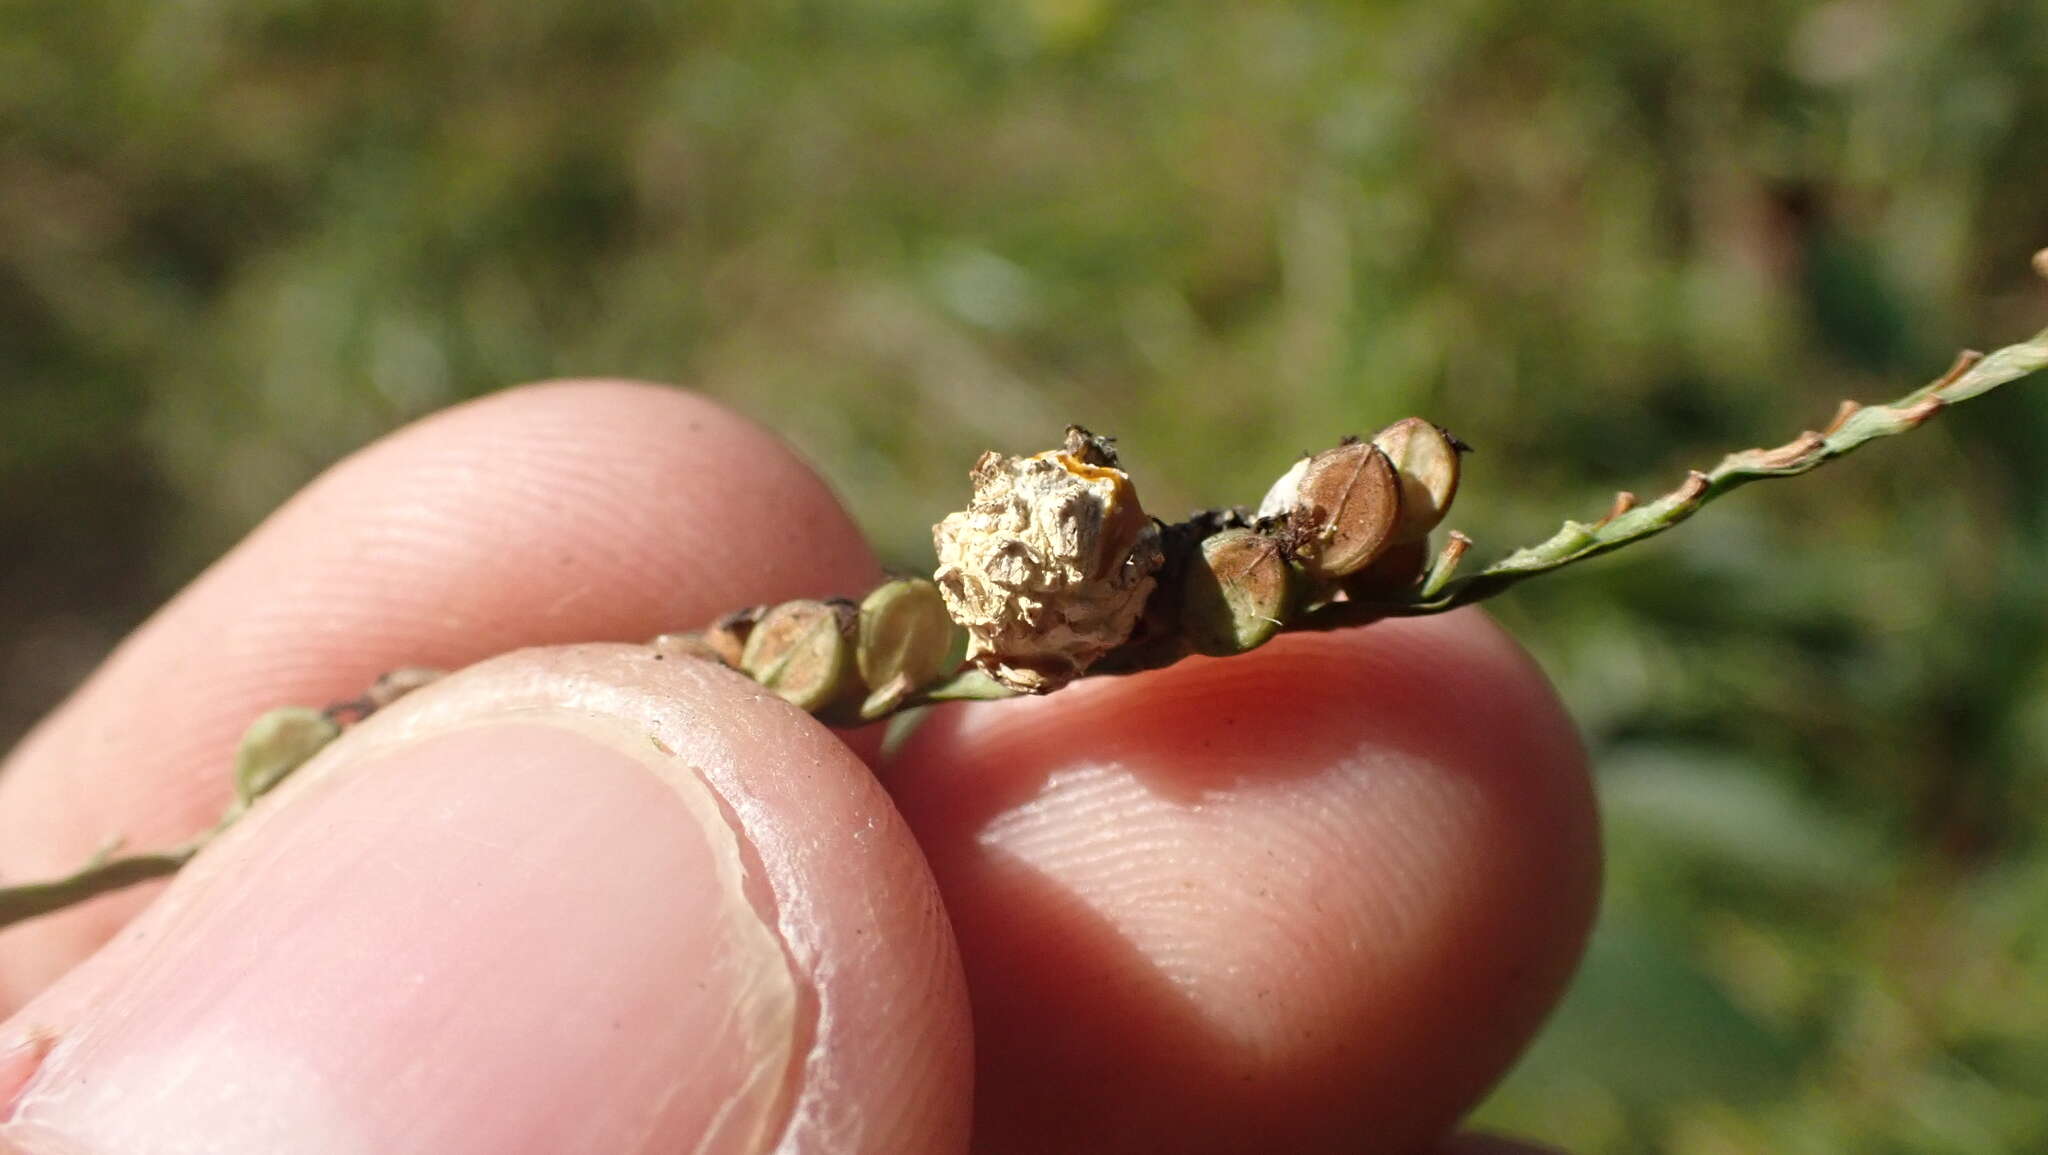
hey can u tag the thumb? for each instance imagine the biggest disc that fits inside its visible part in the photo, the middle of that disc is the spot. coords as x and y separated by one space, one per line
571 900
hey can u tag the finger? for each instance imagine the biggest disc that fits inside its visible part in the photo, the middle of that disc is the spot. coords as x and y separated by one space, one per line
570 900
558 513
1323 890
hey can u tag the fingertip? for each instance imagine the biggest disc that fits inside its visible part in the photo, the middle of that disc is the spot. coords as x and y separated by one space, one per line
581 899
554 513
568 511
1327 887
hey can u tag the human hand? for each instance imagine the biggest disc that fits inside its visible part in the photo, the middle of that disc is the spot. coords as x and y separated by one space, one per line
1314 898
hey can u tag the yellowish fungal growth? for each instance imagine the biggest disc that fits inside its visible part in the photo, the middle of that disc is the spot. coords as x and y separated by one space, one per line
1049 566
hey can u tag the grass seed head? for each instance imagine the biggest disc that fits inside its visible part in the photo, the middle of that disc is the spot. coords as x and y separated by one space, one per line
276 744
1237 592
1426 460
1345 510
905 641
803 651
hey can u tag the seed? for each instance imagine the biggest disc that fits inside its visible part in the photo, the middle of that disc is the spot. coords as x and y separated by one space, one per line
1347 507
1281 496
905 641
727 636
1237 592
398 683
803 651
1426 458
276 744
387 689
685 646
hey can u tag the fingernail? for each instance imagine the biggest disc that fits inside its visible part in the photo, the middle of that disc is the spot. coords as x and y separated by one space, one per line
525 935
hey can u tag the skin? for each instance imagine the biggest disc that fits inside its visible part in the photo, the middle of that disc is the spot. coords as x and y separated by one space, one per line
1315 898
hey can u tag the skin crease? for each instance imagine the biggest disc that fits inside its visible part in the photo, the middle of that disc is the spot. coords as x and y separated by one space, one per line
1403 860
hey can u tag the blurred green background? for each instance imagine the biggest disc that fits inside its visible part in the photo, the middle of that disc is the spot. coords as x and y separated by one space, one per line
1601 241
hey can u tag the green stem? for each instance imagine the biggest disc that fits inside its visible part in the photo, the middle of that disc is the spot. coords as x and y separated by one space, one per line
1625 524
1854 426
968 685
100 876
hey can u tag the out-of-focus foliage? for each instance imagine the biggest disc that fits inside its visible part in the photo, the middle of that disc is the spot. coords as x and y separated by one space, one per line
1601 241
